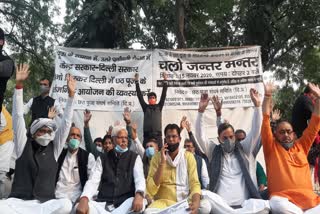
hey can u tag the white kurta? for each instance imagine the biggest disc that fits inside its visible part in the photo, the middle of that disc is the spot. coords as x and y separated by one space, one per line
69 185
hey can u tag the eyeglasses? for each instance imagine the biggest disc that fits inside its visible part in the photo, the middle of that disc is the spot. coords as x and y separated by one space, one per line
171 136
122 137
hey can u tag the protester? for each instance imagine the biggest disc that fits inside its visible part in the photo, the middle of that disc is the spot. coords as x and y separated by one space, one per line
233 182
173 178
191 146
6 68
95 147
6 148
36 167
152 121
41 105
288 170
74 167
147 153
118 175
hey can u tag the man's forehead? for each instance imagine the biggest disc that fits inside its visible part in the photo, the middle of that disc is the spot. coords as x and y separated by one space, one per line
284 126
122 133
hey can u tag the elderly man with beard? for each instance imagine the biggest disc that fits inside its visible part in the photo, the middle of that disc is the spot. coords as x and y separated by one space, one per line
233 183
288 171
118 175
36 165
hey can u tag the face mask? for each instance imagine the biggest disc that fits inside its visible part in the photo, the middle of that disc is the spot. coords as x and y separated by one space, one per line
149 152
173 147
99 148
45 139
73 144
120 150
287 146
44 89
228 145
152 102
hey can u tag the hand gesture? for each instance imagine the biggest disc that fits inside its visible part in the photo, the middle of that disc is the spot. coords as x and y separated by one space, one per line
52 113
22 73
188 126
164 150
165 76
269 88
71 83
136 77
109 132
183 122
216 103
255 97
276 115
204 100
127 115
314 89
194 206
87 116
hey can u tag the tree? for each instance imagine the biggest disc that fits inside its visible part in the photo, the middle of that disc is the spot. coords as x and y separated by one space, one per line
31 36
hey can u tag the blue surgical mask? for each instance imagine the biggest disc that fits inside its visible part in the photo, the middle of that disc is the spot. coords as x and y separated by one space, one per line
150 152
74 144
120 150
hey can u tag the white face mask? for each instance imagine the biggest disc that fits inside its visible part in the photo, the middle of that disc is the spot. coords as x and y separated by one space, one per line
99 148
45 139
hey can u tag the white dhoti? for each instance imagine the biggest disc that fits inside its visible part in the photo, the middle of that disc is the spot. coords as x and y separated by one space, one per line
250 206
99 207
281 205
181 207
19 206
6 151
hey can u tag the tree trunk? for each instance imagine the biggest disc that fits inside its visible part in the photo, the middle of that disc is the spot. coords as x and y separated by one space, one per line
180 11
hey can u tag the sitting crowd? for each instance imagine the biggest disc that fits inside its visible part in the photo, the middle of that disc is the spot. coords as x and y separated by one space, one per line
181 173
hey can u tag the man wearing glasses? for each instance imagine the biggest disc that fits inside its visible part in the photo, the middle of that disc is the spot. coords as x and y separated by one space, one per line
118 175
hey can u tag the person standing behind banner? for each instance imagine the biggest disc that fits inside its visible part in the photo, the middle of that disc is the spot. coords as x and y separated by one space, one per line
6 69
41 105
6 148
152 121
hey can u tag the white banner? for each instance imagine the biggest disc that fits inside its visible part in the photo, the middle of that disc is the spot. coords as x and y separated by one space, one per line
105 77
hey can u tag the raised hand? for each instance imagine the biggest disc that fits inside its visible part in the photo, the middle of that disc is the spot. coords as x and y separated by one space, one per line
52 113
217 104
109 130
136 77
204 100
86 117
188 126
71 83
314 88
127 115
183 122
165 76
22 73
276 115
269 88
255 97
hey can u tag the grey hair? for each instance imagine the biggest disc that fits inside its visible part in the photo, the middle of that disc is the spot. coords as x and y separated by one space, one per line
117 129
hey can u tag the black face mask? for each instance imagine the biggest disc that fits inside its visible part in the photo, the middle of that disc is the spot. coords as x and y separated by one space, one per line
173 147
